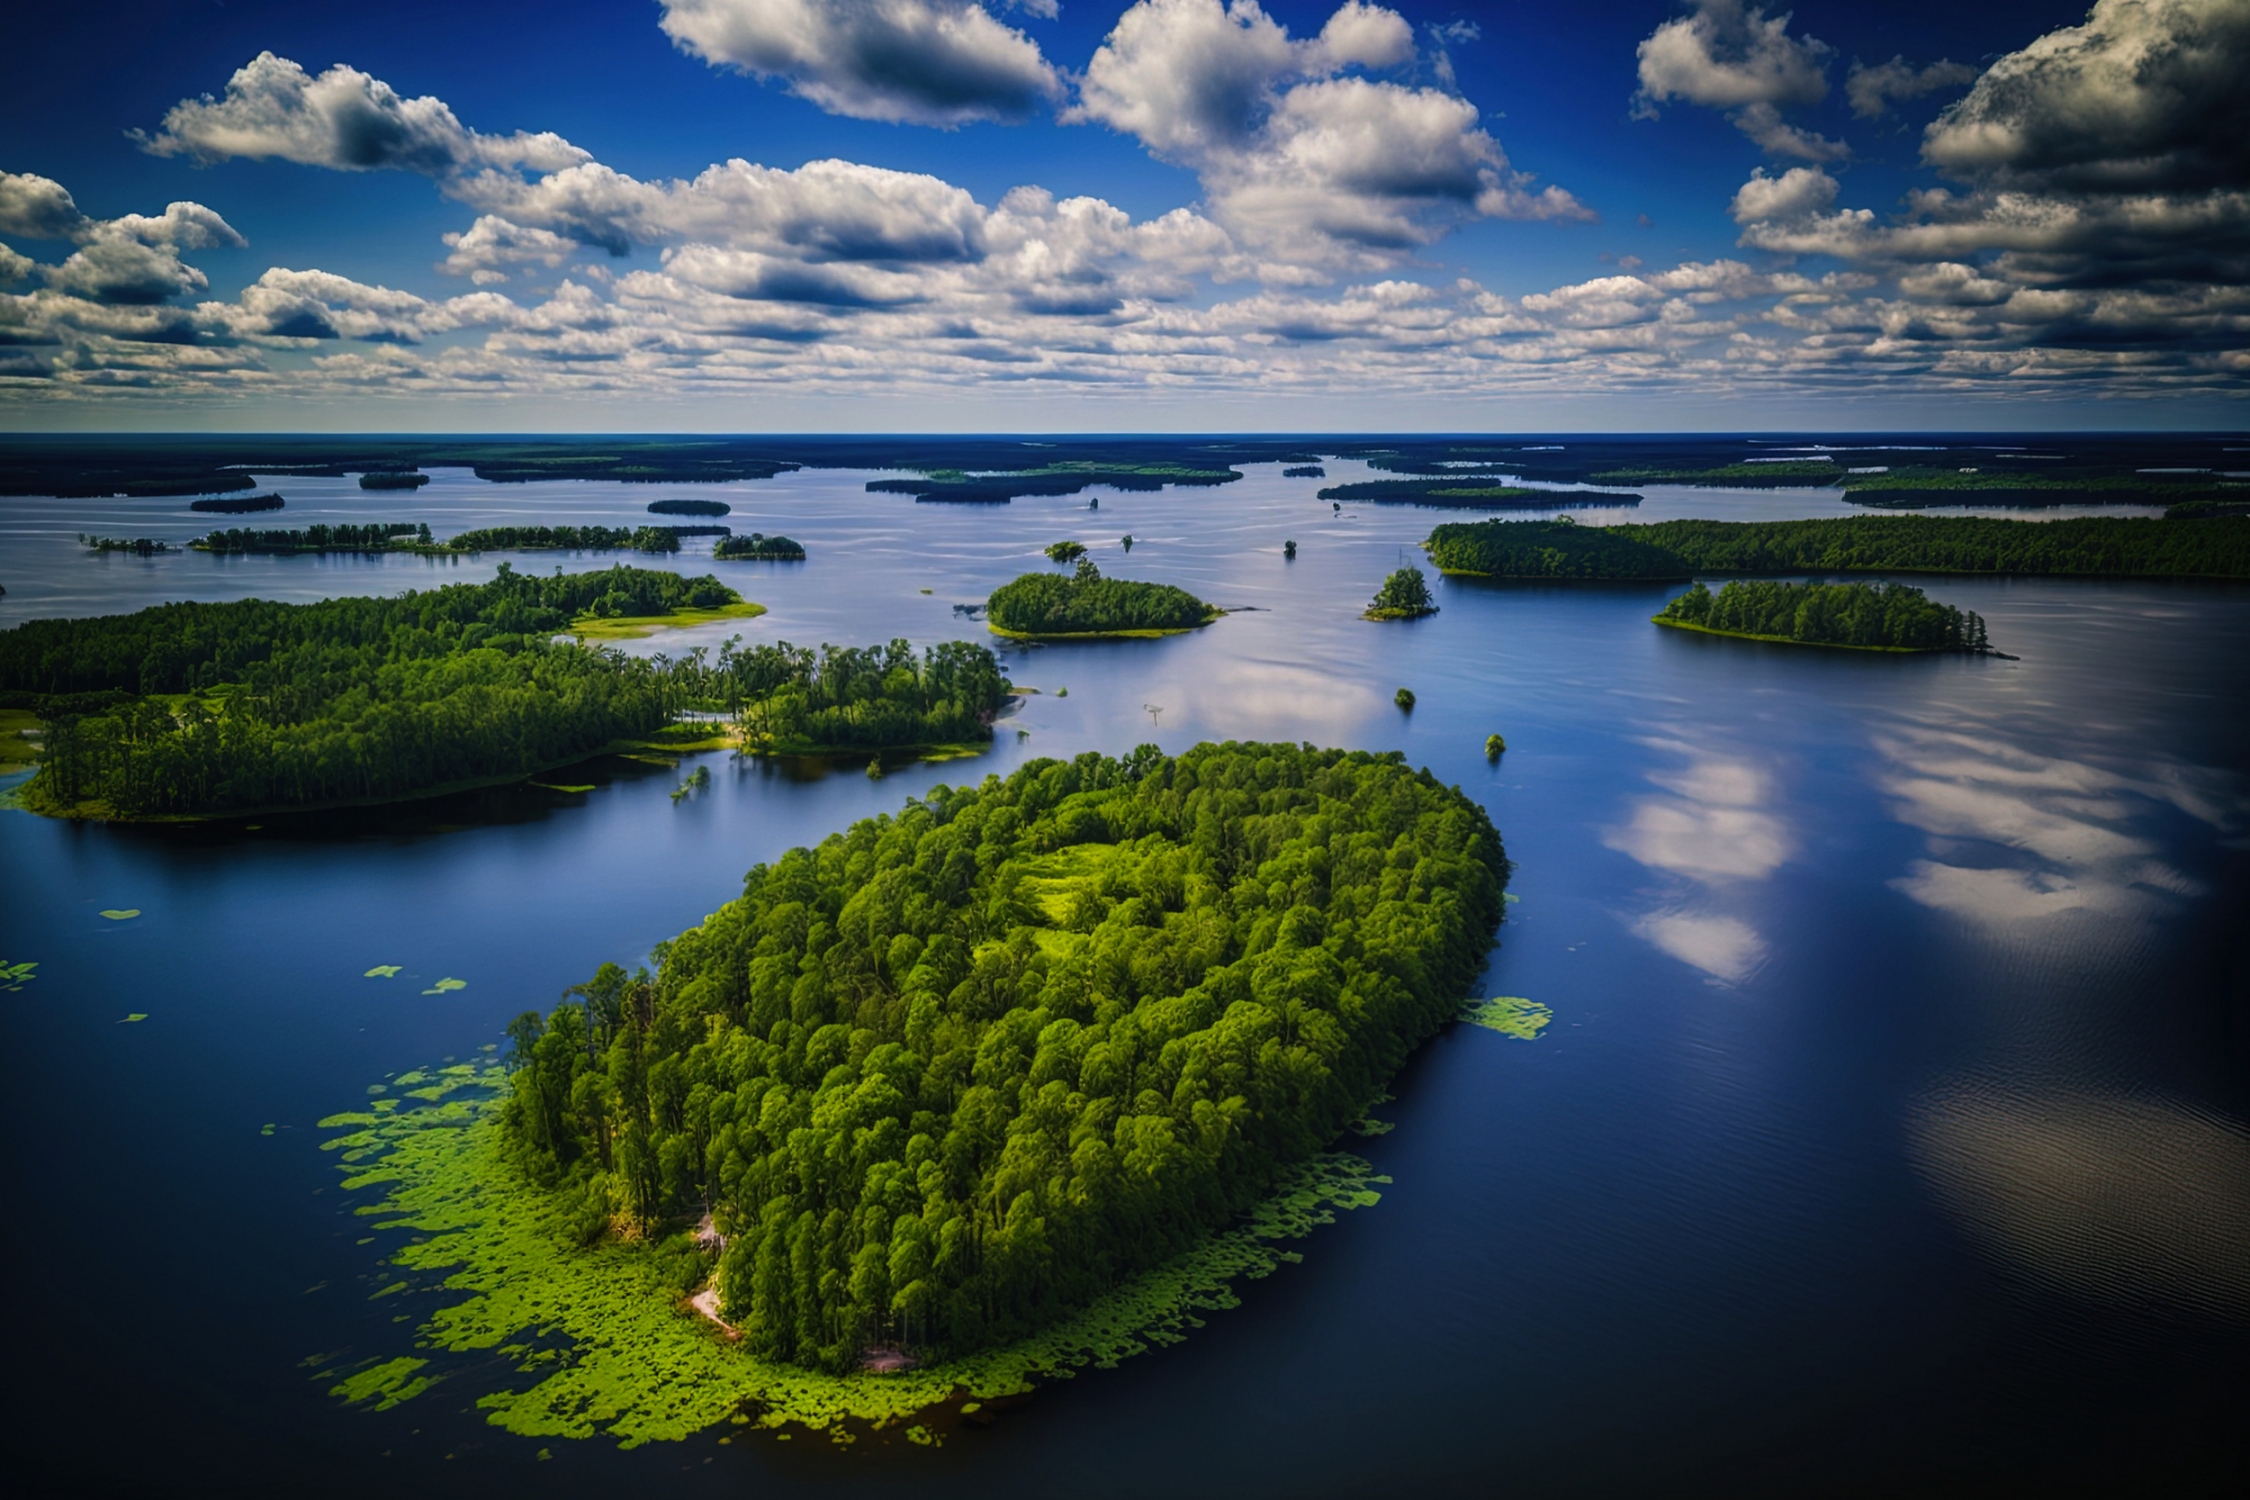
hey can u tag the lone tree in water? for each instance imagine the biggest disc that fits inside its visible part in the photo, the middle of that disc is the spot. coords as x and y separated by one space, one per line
1405 595
1063 552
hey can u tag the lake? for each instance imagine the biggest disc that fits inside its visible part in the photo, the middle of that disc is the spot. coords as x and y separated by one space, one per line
1889 1131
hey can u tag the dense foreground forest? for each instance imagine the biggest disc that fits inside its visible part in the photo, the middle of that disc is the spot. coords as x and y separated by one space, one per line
1088 604
950 1074
2092 546
252 704
1876 617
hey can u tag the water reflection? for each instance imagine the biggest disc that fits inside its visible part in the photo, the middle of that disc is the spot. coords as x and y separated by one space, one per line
1714 827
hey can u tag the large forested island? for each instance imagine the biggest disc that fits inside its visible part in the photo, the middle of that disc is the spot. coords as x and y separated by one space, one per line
2093 546
1042 605
794 700
1858 616
202 709
952 1074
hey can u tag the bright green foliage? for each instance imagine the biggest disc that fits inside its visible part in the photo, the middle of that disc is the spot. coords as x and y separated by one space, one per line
1064 552
598 1326
758 547
382 971
138 1015
1510 1015
122 914
793 699
446 986
14 976
1889 616
1405 595
1495 746
1547 549
955 1073
346 698
376 536
2087 546
1089 604
1404 698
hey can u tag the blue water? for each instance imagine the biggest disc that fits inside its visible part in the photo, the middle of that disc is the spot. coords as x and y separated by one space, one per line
1889 1132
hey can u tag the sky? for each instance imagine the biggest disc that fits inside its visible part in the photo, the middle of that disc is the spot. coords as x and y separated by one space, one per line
1092 215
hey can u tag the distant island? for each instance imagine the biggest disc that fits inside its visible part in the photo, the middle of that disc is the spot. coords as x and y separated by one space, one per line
392 479
1854 616
139 546
1057 478
577 538
1457 493
1045 606
380 536
689 508
2085 547
243 505
1305 471
758 547
211 709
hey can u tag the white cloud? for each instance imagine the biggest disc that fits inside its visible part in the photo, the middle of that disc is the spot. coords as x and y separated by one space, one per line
1734 56
39 208
346 121
924 62
1293 149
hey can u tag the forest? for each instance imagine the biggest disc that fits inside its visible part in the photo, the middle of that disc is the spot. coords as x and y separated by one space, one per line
576 538
759 547
1547 549
392 479
2085 547
793 700
1878 617
1453 491
254 704
1405 595
953 1073
1086 603
376 536
139 546
1063 477
243 505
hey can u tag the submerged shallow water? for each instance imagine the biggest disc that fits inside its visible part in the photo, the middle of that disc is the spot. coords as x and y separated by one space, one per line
1890 1129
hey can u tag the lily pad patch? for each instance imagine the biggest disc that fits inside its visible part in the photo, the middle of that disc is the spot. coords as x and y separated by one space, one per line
126 914
384 971
14 977
138 1015
1510 1015
445 985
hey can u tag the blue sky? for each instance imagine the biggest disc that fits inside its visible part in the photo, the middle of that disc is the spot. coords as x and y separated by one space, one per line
940 214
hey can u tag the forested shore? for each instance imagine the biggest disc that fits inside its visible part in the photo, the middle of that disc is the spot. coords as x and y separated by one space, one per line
1087 604
2084 547
953 1073
1861 616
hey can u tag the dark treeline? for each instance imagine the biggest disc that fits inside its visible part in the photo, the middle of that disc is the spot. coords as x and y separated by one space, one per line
689 507
794 699
953 1073
345 699
759 547
1454 492
1886 615
393 480
577 538
376 536
1061 478
1088 604
238 507
2087 547
139 546
1547 549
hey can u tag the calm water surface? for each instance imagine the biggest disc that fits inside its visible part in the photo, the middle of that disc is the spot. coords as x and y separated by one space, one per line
1889 1132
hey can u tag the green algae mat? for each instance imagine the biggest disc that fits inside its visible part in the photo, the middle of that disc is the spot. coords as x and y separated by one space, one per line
602 1347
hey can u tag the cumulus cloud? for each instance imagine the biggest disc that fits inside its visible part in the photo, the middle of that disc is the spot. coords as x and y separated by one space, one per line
39 208
923 62
132 260
1872 90
1293 146
2146 96
1734 56
344 120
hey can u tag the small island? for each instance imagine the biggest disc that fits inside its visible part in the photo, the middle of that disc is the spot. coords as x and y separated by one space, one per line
689 508
1852 616
842 700
139 546
393 479
1087 606
378 536
758 547
236 505
1405 595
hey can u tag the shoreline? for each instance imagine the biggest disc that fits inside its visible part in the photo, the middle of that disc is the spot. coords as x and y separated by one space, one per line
1784 640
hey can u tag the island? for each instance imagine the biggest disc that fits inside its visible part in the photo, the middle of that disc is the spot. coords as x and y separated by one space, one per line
1405 595
2083 547
1454 491
1039 1036
214 709
759 547
689 507
393 479
577 538
1061 477
238 505
139 546
842 700
1087 606
377 536
1850 616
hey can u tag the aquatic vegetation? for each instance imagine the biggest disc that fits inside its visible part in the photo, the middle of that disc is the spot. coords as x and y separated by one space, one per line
1405 595
695 782
446 986
14 976
382 971
138 1015
122 914
556 786
1510 1015
604 1346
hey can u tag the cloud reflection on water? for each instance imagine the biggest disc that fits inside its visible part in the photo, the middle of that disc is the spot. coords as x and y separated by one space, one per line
1714 826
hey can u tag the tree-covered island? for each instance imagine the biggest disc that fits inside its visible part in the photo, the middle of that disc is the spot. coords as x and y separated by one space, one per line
1405 595
376 536
953 1074
1046 606
758 547
1856 616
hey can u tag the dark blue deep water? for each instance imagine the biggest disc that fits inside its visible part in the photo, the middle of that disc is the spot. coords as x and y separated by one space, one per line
1890 1133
